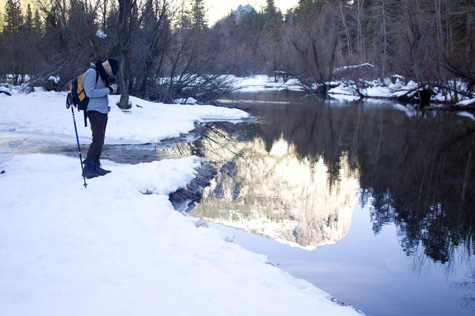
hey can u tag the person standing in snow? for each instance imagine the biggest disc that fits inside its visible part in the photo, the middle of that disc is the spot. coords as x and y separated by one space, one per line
98 82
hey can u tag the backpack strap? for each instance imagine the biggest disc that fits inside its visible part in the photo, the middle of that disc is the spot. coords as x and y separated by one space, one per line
85 111
85 118
97 74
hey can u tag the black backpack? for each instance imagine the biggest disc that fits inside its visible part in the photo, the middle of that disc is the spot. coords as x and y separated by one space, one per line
77 96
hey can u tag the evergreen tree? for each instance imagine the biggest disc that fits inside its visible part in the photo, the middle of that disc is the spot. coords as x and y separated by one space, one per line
29 19
270 10
199 22
13 16
37 23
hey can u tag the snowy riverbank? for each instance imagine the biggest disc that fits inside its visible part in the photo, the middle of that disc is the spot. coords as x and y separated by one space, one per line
395 88
118 247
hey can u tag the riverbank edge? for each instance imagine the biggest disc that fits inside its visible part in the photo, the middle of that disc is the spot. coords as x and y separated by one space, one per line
454 96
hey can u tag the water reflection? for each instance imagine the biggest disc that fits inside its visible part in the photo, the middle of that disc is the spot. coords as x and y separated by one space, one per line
422 180
417 171
271 191
294 176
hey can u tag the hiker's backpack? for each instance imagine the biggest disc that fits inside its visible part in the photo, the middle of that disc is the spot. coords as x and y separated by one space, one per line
77 96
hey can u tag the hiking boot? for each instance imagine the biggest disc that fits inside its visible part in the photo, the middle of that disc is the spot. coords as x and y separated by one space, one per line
99 170
88 171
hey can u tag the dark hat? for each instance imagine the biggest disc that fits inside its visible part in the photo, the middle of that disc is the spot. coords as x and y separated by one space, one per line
114 65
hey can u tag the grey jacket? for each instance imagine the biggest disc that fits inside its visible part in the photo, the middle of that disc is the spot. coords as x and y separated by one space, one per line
96 91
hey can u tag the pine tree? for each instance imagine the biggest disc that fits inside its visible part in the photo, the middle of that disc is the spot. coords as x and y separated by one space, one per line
37 23
270 10
199 21
13 16
270 43
29 19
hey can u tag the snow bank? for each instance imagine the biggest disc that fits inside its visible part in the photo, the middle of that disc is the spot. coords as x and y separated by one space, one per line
264 82
467 102
373 88
111 250
346 90
44 114
118 247
389 90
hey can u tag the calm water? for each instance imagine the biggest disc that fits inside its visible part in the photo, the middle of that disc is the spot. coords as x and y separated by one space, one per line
371 202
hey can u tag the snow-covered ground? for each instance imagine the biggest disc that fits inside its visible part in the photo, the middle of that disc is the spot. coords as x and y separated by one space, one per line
346 90
390 90
264 82
118 247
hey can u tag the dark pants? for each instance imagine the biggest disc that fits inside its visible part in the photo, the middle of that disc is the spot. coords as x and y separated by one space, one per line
98 122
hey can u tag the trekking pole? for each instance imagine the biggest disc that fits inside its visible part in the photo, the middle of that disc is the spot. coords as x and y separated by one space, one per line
69 104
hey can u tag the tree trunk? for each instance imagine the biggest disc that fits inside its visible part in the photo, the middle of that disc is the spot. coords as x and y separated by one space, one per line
124 84
345 27
385 37
125 15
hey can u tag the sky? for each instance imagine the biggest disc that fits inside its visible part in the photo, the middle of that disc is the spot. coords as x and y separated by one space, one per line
220 8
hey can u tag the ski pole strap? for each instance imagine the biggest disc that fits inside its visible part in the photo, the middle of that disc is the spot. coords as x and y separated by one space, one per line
69 101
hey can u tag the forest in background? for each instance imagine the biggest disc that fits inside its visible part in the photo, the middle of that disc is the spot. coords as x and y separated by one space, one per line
168 50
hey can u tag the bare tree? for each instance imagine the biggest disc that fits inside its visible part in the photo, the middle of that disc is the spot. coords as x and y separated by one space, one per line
126 21
343 15
311 48
150 47
68 43
359 17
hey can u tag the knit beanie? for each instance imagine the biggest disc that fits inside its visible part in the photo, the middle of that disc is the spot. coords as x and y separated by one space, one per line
114 65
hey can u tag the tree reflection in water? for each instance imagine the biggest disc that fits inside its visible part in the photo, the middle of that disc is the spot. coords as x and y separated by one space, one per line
416 170
422 179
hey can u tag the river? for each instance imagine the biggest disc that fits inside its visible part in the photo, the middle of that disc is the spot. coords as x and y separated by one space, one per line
371 201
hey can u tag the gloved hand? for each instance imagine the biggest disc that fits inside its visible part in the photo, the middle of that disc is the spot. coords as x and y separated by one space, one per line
113 88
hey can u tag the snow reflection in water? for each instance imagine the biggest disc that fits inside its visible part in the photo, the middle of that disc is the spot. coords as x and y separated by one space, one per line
274 193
